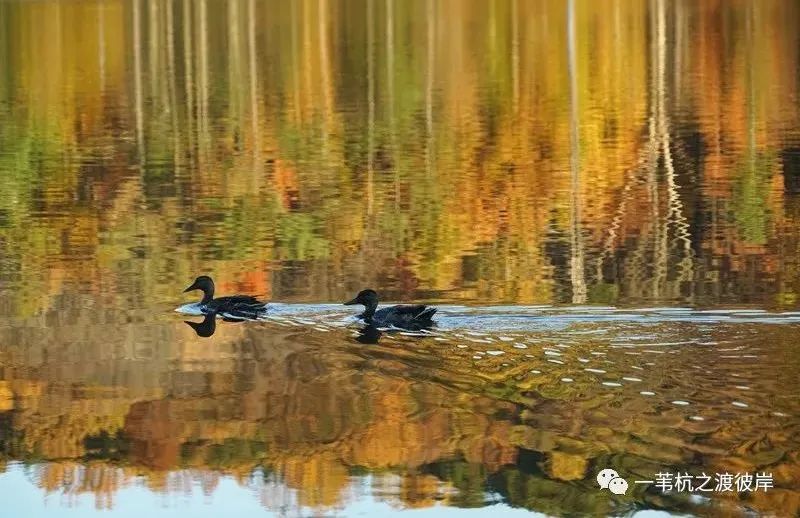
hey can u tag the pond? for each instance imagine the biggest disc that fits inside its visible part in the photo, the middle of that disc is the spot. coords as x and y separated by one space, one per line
602 200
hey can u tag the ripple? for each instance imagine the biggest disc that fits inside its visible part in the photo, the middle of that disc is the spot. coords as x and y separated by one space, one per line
555 319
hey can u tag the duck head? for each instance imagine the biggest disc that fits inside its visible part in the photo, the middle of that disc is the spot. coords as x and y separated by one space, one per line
368 299
204 284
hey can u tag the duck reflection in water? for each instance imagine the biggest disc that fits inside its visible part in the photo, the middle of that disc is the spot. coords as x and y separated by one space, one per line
369 334
208 326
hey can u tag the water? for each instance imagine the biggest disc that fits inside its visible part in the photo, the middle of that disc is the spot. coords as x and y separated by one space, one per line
602 198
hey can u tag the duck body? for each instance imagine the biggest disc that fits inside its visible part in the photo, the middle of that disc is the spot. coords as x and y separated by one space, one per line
244 306
410 317
232 304
405 316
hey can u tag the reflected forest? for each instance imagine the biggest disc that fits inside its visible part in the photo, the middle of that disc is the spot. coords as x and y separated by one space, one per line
484 151
499 154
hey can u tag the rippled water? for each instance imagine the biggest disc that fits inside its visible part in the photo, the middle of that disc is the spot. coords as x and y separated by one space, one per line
513 406
602 198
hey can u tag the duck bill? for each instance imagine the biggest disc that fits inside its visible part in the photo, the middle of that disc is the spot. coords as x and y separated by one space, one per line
351 302
191 288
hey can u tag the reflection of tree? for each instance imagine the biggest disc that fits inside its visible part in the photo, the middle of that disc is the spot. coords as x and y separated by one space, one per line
753 174
137 81
670 237
576 240
188 66
248 125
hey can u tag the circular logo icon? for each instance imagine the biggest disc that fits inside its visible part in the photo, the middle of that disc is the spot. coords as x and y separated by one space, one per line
618 486
606 476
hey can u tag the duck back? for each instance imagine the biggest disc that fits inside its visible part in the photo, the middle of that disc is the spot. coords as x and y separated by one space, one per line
236 304
412 317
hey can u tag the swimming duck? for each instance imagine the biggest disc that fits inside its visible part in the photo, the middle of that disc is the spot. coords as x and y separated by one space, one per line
412 318
239 305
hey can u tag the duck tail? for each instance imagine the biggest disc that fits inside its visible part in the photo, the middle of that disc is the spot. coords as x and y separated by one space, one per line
426 315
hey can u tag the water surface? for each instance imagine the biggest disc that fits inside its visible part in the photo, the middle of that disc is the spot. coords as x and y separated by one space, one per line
603 198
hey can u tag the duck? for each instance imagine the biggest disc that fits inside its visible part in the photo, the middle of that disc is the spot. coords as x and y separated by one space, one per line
410 317
241 306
